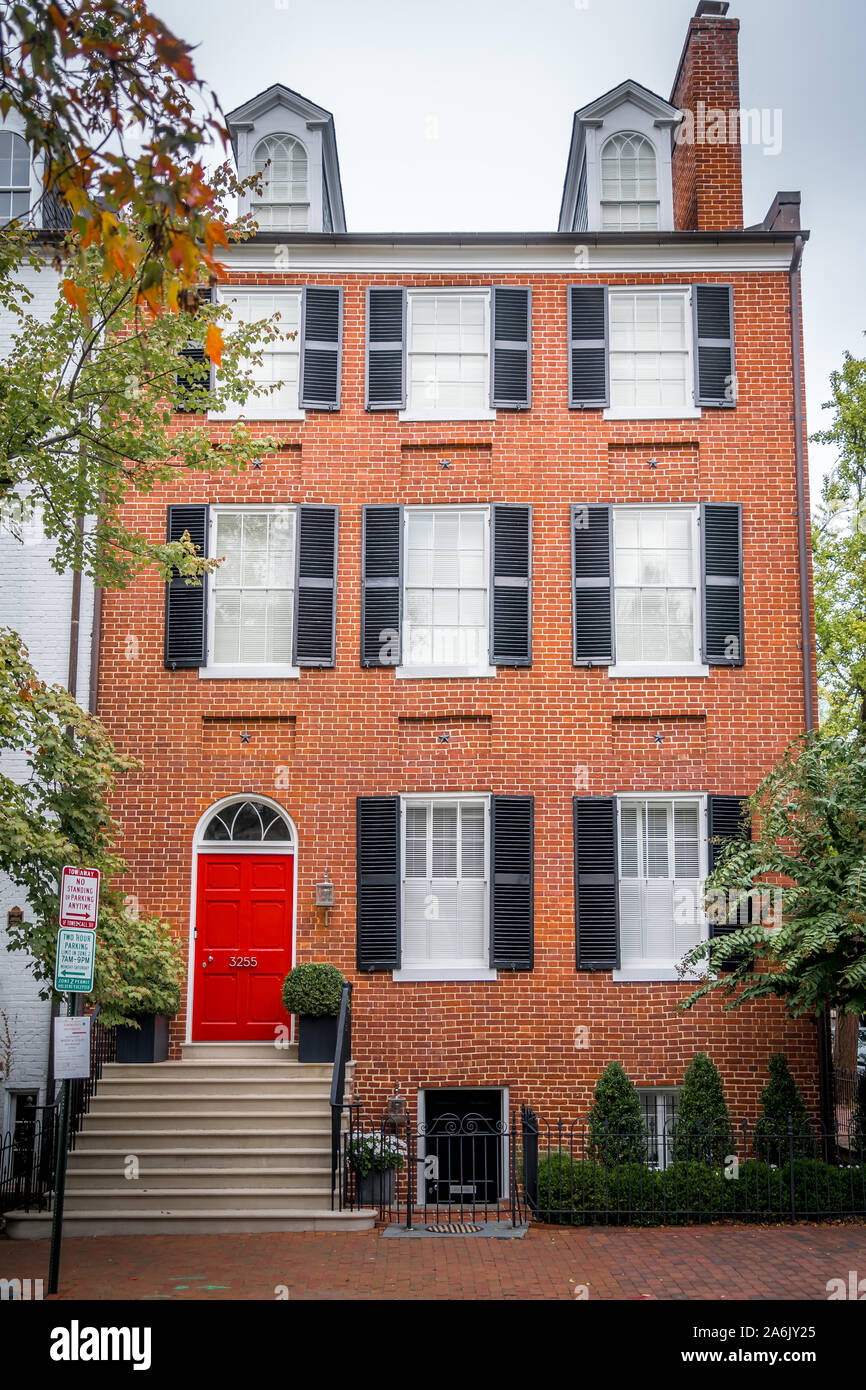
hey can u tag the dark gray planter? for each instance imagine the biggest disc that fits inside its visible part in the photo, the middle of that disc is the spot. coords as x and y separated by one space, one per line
376 1189
317 1038
147 1043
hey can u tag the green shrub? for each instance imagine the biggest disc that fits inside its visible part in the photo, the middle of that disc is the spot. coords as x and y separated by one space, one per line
616 1125
314 990
573 1191
701 1128
780 1099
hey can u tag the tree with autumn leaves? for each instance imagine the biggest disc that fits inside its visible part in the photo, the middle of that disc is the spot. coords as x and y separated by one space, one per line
119 126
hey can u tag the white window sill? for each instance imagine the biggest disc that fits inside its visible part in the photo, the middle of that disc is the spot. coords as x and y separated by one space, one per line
661 973
217 415
248 673
409 417
428 673
692 413
444 973
633 672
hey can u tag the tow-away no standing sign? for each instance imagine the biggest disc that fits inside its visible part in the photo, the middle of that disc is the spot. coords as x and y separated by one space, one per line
79 897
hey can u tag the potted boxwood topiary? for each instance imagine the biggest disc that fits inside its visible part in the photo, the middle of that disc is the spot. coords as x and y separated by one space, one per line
313 992
376 1158
149 996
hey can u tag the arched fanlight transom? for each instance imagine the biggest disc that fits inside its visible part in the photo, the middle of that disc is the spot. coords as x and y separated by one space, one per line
248 822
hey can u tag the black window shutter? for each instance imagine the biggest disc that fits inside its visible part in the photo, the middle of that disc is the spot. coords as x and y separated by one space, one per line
378 866
512 883
386 349
321 348
511 344
381 585
316 587
588 369
194 372
596 890
713 317
722 556
592 584
511 551
726 820
186 604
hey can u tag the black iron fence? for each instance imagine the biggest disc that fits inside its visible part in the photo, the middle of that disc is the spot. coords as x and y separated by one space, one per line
28 1153
577 1173
455 1169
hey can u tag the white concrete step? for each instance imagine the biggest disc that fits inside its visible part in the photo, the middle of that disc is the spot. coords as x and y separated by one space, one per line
203 1116
243 1051
89 1159
189 1073
215 1200
156 1178
120 1222
235 1103
136 1138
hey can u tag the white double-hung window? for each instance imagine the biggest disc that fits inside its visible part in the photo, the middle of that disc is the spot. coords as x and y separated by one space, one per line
446 605
280 357
662 867
251 608
657 595
448 355
651 369
445 887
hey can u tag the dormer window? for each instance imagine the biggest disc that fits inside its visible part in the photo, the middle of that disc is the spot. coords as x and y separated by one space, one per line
14 176
284 201
629 184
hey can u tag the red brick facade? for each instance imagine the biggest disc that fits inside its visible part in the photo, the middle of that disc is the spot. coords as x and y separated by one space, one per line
551 730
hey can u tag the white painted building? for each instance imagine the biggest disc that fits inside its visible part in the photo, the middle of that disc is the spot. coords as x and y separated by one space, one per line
38 604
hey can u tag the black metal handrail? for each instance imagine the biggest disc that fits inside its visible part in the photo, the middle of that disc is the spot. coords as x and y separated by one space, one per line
342 1054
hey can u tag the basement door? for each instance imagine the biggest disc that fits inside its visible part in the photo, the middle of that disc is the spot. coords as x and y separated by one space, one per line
243 946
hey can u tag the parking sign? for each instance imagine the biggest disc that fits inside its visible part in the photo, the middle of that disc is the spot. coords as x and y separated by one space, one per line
79 897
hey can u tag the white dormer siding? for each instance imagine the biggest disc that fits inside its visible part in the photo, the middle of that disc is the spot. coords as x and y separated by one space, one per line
619 166
301 182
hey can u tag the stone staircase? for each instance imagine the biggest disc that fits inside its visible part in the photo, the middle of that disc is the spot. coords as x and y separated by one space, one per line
233 1138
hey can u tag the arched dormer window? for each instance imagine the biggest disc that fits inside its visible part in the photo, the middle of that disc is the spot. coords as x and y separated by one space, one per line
629 184
285 198
14 176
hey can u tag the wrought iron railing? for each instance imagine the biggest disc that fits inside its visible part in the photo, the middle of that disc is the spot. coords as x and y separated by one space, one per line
342 1055
577 1173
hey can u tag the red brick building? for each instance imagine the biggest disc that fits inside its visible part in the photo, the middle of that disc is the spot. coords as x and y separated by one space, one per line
506 624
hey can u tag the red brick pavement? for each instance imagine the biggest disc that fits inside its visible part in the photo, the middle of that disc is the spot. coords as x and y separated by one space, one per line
705 1262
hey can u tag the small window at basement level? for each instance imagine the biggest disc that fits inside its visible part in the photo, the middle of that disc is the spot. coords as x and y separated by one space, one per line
629 184
445 882
253 589
659 1105
284 203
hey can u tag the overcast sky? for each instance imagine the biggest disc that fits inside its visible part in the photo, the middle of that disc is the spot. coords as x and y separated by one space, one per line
456 115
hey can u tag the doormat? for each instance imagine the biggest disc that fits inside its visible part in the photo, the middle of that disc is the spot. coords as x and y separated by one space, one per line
485 1230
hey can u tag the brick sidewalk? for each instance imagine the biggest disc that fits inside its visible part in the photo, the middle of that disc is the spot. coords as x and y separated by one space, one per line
702 1262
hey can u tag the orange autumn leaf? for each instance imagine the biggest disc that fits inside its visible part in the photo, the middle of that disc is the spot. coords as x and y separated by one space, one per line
213 344
75 295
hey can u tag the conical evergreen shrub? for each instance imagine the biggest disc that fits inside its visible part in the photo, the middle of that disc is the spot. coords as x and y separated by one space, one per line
702 1126
780 1099
618 1133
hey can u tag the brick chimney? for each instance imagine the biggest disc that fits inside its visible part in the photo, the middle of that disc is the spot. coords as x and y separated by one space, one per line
707 168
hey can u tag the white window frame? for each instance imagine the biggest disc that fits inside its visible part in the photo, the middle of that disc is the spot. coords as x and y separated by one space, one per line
663 971
413 295
688 412
23 218
637 669
443 971
660 1095
260 407
257 202
408 672
242 670
628 202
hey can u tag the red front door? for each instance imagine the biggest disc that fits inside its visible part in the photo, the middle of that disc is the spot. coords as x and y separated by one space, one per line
243 946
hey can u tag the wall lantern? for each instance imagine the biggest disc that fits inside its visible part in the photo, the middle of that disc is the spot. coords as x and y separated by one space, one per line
325 895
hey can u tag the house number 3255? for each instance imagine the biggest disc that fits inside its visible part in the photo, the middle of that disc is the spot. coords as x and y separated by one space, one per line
242 962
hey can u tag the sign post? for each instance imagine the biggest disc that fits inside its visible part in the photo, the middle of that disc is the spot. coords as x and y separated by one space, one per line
73 975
